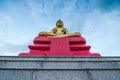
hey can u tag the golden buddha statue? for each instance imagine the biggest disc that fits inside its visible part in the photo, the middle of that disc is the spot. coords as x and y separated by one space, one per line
59 31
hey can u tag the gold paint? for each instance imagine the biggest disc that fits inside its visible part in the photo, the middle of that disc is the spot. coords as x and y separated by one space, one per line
59 31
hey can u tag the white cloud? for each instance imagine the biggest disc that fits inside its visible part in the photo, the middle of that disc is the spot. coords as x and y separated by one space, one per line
101 31
13 49
5 19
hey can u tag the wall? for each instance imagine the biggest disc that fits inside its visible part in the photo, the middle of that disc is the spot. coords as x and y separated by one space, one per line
59 68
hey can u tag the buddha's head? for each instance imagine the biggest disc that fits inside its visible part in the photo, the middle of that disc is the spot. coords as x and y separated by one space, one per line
59 23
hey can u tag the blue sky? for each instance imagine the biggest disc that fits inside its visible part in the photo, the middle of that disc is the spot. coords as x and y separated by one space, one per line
97 20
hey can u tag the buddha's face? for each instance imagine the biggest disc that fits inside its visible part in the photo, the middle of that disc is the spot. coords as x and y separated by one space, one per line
60 31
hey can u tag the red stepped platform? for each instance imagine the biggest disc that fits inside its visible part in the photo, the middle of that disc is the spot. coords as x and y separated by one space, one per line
67 46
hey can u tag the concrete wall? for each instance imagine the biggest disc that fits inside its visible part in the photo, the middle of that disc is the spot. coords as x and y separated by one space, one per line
59 68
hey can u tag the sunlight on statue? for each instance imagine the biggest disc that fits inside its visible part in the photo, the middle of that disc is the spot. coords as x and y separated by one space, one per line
59 31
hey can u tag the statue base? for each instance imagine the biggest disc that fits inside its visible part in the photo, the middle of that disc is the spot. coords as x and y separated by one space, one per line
67 46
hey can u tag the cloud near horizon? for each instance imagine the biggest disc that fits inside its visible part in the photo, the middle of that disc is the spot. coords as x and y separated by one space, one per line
96 20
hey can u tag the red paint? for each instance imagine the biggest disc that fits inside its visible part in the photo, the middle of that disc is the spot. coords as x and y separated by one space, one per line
69 46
